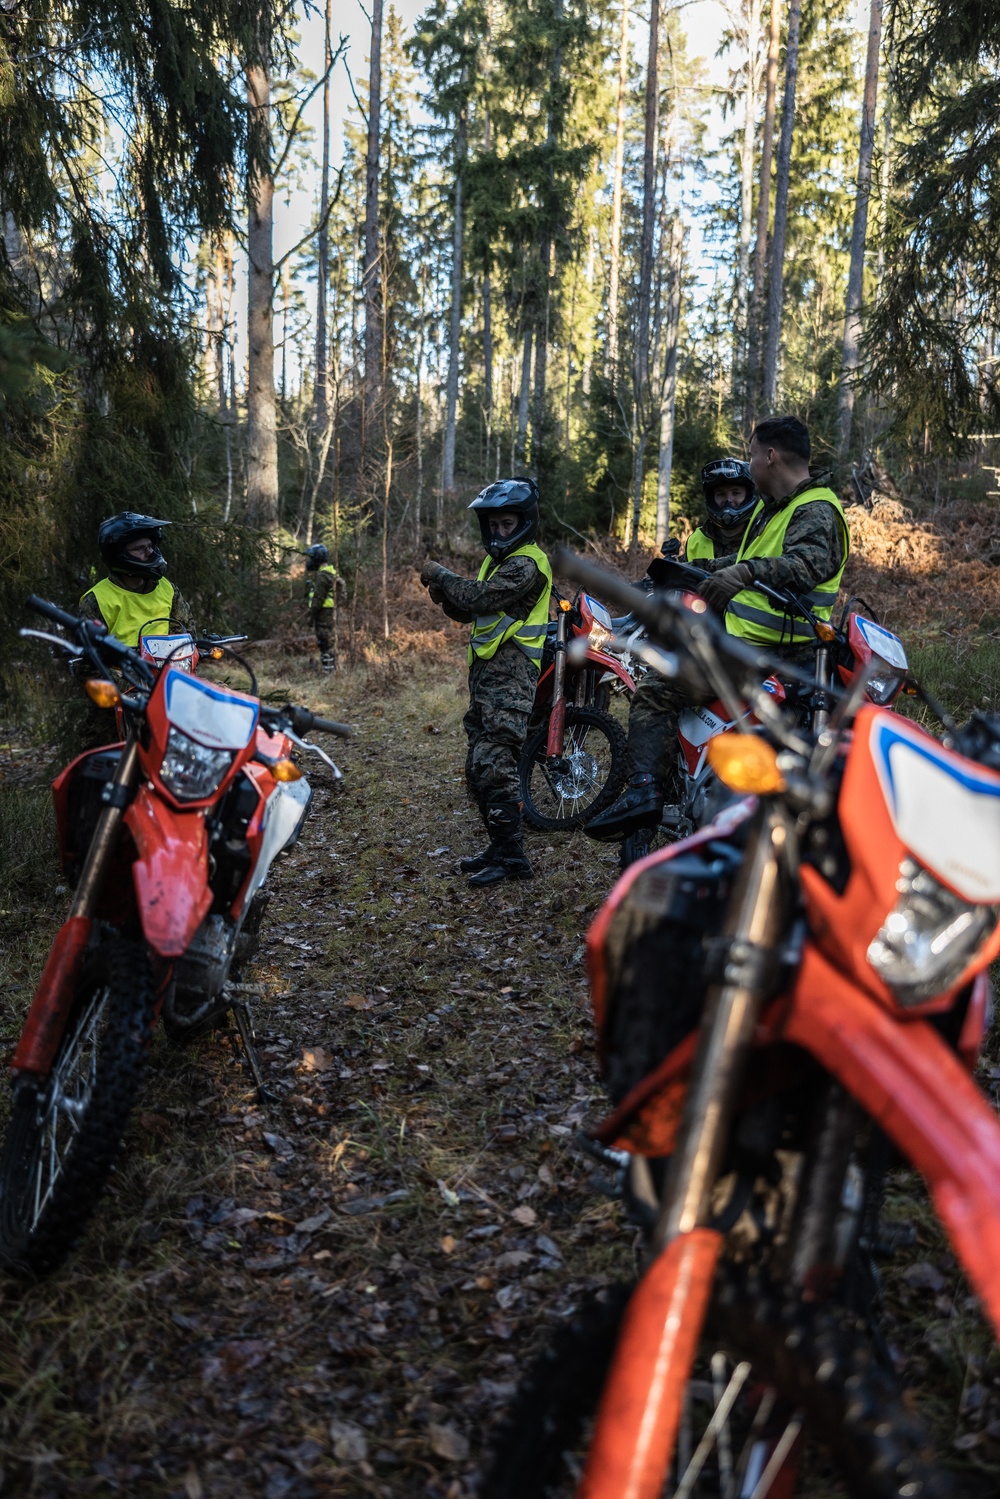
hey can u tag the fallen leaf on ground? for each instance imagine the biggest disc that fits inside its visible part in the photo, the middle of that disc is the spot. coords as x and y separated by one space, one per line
317 1060
359 1002
192 1484
448 1244
350 1444
524 1215
448 1442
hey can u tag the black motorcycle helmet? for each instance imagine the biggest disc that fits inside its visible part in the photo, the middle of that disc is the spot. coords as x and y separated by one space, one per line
117 531
520 495
316 556
728 471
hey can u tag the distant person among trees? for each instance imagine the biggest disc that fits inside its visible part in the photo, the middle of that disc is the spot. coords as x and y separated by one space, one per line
136 598
508 608
797 540
322 582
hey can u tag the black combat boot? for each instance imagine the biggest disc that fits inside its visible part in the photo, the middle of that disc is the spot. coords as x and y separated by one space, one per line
639 806
509 861
475 862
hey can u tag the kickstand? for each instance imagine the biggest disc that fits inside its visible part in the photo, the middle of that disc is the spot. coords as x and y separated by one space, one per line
244 1024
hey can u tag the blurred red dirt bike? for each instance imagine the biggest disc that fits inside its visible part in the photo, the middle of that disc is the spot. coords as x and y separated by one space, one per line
786 1003
167 839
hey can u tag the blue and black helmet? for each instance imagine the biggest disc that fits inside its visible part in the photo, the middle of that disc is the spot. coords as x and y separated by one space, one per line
519 495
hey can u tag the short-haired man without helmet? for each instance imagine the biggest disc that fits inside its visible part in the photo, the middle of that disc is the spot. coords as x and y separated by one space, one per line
136 598
508 608
322 582
797 540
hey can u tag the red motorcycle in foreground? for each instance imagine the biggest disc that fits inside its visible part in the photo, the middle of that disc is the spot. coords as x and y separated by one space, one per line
787 1003
573 762
167 840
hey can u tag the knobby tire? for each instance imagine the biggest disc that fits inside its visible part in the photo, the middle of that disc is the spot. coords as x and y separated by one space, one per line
533 753
107 1038
816 1357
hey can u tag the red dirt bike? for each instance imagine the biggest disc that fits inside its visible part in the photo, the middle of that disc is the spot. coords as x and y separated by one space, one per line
840 652
167 840
785 1003
573 761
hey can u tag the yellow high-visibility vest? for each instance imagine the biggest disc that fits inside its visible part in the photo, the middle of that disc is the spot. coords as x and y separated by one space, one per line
751 615
699 547
325 567
490 631
129 615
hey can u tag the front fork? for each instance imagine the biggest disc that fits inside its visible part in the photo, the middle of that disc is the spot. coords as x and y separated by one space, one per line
557 715
643 1398
46 1021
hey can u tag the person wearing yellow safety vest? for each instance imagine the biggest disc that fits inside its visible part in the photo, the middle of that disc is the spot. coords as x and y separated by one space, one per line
507 606
322 583
798 541
136 597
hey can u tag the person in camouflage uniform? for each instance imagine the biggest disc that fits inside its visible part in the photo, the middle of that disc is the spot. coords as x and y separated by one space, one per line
136 597
508 608
322 583
799 521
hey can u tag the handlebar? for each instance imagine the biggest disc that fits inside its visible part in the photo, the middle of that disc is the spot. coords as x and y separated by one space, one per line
671 573
303 721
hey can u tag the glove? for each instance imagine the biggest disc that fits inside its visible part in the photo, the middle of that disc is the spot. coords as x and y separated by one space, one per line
724 585
430 572
435 594
671 548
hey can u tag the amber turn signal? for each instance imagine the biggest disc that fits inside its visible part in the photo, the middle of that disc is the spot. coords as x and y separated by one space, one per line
286 770
745 762
565 606
104 694
215 654
825 632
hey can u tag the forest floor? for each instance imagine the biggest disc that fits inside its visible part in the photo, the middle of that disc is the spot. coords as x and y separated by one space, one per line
336 1293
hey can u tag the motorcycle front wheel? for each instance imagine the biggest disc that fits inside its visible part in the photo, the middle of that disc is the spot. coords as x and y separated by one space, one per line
64 1130
784 1399
586 780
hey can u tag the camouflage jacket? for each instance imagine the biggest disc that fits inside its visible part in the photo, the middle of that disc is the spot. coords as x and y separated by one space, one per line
319 586
512 589
813 549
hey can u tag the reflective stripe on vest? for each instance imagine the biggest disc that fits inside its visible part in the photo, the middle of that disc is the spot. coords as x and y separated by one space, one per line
750 614
128 614
326 567
699 546
491 631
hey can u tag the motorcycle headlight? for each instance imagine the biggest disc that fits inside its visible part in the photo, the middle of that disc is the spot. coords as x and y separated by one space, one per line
189 770
600 639
885 681
929 937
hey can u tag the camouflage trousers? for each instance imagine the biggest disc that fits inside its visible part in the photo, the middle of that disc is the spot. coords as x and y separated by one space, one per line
322 622
654 710
501 694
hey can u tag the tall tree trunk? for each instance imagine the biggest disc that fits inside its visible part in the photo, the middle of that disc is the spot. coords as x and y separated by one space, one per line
262 432
455 320
640 399
370 277
856 274
553 132
775 290
746 200
521 445
884 171
616 199
323 257
668 388
763 213
488 363
418 499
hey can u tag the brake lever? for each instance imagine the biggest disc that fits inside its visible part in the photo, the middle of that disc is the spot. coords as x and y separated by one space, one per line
307 744
69 646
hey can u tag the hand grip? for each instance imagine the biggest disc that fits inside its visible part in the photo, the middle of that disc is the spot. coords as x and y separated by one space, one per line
304 722
52 611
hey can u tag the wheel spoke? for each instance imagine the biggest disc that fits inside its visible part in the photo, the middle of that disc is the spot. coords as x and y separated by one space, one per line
720 1416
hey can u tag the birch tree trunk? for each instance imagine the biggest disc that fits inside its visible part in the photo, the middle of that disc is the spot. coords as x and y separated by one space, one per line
775 289
262 433
746 196
668 388
418 498
370 275
455 320
323 257
640 397
488 363
763 214
616 200
859 232
521 445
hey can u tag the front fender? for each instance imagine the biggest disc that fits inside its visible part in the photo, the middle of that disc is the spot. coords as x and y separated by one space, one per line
611 663
912 1084
170 872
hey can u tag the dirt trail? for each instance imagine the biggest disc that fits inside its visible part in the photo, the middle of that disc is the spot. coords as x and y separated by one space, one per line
334 1294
